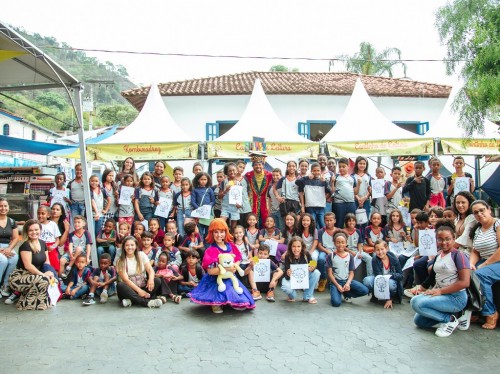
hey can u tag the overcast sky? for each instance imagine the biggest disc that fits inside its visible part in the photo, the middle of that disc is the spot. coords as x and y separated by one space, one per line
311 29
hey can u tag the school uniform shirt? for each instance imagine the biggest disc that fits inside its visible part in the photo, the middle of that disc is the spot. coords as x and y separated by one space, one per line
394 233
374 236
366 181
379 204
174 256
445 268
314 190
266 235
192 277
189 242
218 202
80 241
113 205
183 203
309 239
79 278
344 189
50 232
245 206
252 237
126 210
275 204
151 255
340 265
325 239
353 239
98 196
393 202
110 272
245 253
76 191
103 235
289 189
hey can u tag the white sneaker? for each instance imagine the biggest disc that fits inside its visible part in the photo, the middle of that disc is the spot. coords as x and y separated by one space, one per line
446 329
156 303
464 320
126 303
11 299
104 297
347 299
5 291
217 309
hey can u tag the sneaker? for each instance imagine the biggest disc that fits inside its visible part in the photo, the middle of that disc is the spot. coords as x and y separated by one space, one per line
256 295
270 296
412 292
11 299
347 299
104 297
156 303
217 309
464 320
446 329
163 299
65 274
322 285
88 301
5 291
126 303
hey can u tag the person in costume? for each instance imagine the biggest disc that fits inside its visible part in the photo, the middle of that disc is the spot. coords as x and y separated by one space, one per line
259 181
207 292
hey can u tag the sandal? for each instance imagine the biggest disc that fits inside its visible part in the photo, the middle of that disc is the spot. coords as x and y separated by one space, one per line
491 322
290 300
312 301
177 299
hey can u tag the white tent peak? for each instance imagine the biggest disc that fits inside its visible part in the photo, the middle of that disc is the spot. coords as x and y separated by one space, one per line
260 120
154 124
362 121
447 126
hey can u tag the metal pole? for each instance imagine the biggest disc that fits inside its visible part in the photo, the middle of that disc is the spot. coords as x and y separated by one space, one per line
478 176
83 158
436 146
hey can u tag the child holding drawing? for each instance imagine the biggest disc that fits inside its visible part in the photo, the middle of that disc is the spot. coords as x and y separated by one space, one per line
202 195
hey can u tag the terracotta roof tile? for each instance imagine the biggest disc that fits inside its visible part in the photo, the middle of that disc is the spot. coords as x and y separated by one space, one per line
291 83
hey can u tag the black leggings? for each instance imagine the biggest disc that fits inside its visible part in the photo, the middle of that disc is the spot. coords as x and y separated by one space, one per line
126 292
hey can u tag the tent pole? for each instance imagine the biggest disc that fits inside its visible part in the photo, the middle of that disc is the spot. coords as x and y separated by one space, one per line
478 176
202 148
83 157
436 146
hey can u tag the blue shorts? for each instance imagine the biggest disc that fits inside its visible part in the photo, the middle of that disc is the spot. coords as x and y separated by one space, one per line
230 211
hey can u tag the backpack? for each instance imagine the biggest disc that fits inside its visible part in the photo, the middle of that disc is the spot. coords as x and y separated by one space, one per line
475 297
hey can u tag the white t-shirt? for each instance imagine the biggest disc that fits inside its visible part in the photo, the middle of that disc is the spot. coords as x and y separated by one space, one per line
50 232
131 264
446 271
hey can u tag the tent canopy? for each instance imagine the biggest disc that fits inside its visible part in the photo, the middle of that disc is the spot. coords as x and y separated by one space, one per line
363 130
25 67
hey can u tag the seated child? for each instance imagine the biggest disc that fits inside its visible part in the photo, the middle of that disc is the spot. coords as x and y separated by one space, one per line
270 232
355 242
192 239
340 270
386 263
147 246
262 254
246 253
169 278
79 277
296 254
123 231
158 233
326 246
174 255
207 292
102 281
449 214
191 273
139 228
80 243
106 239
172 228
373 232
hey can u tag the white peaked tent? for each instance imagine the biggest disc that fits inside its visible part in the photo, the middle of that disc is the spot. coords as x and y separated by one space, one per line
447 130
363 130
260 120
153 135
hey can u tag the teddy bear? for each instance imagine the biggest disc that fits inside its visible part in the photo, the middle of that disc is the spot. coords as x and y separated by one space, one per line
226 261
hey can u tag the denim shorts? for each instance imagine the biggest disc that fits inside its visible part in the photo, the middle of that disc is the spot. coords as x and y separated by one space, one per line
231 212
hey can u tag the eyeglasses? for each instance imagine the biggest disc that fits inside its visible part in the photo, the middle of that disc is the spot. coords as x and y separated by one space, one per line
476 212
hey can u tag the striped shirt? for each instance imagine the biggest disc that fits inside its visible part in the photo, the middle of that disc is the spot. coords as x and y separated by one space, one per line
485 242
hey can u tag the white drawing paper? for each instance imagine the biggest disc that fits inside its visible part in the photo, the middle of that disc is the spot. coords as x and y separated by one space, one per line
410 251
299 277
406 215
378 188
236 195
357 261
203 211
461 184
54 293
381 287
58 197
273 246
126 194
163 209
397 248
409 263
427 242
145 223
262 270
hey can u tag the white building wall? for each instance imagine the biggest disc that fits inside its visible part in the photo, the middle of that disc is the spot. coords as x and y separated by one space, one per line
193 112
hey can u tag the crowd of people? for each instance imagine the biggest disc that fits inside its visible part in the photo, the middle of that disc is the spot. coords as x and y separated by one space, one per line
153 247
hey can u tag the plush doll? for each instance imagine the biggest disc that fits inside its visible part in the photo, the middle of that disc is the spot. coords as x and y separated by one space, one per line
226 261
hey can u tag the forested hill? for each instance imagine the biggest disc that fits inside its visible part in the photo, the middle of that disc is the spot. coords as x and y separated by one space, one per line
111 79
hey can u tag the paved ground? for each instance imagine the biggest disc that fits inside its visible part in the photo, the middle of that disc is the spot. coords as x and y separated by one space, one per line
281 337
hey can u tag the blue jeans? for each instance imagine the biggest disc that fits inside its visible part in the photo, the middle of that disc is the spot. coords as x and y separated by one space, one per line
77 209
111 290
488 275
111 250
320 257
84 289
98 225
393 285
357 290
431 310
318 213
340 210
308 293
182 288
180 220
7 266
278 220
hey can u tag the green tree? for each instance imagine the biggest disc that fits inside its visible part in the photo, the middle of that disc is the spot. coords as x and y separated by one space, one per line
369 61
283 68
116 114
470 29
52 99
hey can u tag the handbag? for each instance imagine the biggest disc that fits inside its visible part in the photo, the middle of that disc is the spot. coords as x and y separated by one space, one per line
475 297
361 216
139 280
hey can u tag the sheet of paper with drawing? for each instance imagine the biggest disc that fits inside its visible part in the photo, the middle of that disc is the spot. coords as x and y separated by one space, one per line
53 292
461 184
427 242
378 188
273 246
299 277
126 194
409 263
262 270
381 287
203 211
397 248
236 195
357 261
410 251
58 197
163 209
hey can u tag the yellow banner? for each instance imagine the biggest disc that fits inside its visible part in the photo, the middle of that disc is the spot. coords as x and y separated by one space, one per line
143 152
221 150
489 147
7 55
381 148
